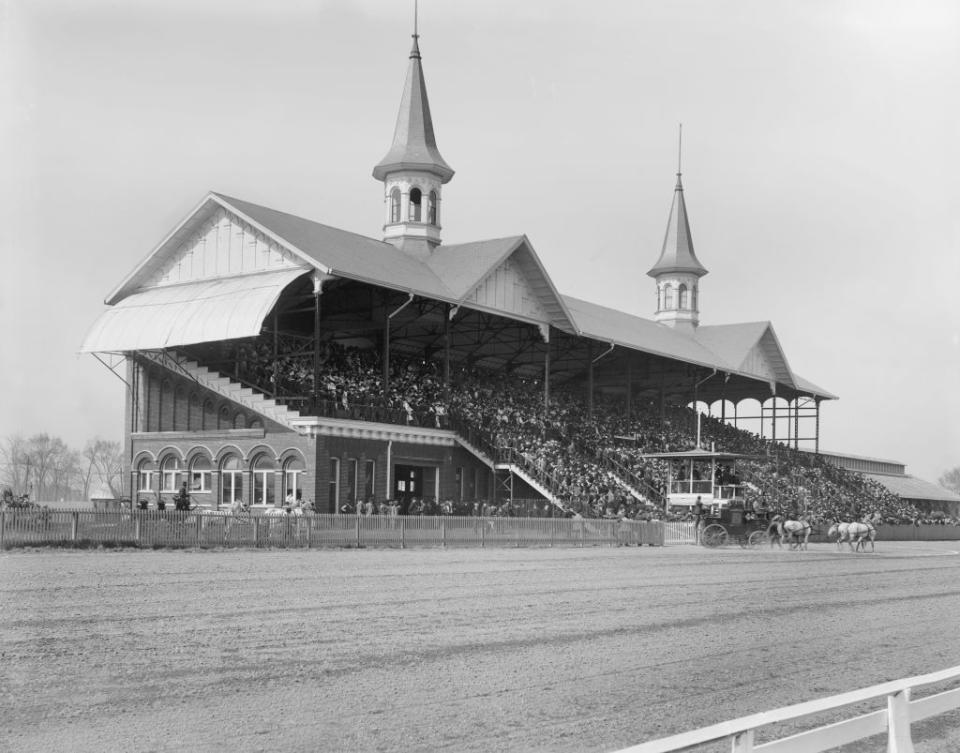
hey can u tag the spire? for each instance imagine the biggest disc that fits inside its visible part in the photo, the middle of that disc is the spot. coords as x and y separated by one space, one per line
677 253
414 145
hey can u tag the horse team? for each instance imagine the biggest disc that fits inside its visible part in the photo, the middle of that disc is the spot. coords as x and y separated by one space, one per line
796 533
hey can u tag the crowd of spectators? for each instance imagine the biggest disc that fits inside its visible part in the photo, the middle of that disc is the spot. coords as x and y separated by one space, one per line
598 463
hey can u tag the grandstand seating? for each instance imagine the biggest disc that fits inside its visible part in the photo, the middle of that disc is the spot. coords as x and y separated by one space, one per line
573 452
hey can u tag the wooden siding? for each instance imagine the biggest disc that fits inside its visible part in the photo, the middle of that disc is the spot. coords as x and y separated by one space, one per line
223 246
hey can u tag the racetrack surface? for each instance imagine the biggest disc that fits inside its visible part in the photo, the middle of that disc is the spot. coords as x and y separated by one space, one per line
455 650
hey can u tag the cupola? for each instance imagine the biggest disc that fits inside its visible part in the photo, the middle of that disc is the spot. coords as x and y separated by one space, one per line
413 171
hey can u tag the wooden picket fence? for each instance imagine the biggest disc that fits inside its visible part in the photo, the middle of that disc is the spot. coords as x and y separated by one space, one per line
893 721
154 528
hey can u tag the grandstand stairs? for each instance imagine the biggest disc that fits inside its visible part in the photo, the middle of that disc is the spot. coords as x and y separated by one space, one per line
224 386
506 470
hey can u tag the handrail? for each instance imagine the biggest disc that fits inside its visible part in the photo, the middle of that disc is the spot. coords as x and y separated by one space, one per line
896 720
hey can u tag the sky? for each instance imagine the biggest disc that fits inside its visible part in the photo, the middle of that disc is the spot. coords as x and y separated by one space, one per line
820 167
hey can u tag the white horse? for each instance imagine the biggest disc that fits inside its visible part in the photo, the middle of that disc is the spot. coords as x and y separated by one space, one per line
861 531
840 530
796 532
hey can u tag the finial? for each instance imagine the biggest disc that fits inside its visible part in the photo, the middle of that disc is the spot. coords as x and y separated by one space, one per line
680 150
415 52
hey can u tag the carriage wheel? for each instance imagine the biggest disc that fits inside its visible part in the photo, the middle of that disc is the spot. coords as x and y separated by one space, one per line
757 539
713 535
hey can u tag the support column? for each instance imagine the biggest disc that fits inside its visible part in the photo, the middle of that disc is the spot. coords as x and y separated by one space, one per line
317 290
545 332
629 395
773 429
276 347
590 379
448 313
796 423
816 436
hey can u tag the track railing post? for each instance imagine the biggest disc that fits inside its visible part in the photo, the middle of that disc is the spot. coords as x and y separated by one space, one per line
3 526
742 742
403 533
74 525
898 722
358 532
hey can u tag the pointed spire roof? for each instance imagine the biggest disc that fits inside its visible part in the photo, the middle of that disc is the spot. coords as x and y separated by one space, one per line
677 253
414 145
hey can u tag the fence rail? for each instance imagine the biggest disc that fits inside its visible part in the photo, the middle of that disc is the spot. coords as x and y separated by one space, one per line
154 528
894 720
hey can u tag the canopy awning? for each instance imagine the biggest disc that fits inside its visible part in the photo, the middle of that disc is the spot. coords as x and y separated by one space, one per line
193 312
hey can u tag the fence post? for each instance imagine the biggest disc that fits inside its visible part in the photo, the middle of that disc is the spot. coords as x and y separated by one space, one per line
583 531
443 532
3 526
74 524
742 742
358 532
136 526
309 530
256 531
898 722
403 532
482 530
199 520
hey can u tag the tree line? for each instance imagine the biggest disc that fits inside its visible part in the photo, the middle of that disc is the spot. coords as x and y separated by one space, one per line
47 469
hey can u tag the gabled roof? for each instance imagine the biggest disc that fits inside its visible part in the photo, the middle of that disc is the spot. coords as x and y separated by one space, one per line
609 325
677 254
344 254
414 144
464 266
739 344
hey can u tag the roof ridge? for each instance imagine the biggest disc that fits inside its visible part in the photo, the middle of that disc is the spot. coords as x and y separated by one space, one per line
299 217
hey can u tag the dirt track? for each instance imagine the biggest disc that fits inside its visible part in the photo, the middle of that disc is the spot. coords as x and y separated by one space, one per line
480 650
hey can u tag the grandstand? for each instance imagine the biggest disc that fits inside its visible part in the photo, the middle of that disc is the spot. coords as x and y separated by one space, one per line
270 357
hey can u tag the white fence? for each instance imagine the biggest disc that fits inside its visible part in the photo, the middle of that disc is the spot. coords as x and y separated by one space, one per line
894 720
171 528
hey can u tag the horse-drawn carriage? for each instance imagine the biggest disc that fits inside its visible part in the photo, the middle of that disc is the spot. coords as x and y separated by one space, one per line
706 485
734 524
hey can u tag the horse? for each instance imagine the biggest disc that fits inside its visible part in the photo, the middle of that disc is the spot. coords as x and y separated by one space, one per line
840 530
796 531
861 531
773 531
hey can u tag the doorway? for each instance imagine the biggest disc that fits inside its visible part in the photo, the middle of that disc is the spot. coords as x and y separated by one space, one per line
407 484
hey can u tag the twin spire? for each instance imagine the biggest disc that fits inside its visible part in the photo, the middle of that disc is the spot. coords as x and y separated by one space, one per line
413 172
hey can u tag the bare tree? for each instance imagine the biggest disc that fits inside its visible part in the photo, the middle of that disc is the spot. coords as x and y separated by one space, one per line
105 463
14 464
63 473
951 480
42 451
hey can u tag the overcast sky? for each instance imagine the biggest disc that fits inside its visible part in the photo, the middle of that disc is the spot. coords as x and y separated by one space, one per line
820 164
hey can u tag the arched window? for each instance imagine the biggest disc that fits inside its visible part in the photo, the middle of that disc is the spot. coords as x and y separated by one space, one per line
416 200
170 470
292 477
225 422
668 297
231 480
432 209
684 298
263 487
395 205
200 475
240 420
145 476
